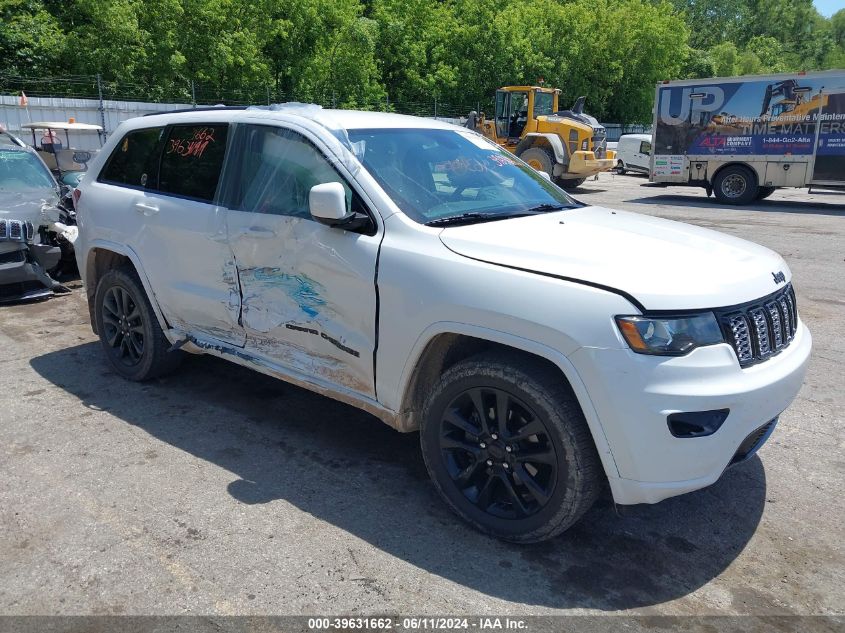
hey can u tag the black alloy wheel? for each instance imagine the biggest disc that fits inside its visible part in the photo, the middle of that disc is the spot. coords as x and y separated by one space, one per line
123 326
498 453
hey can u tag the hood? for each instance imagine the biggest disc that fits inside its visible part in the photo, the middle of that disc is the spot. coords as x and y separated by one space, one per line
36 205
664 265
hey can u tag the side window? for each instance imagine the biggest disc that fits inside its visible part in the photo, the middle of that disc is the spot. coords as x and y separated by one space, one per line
134 161
192 160
645 148
273 170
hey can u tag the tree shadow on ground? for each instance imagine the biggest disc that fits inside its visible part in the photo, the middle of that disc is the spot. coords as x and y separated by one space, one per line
346 468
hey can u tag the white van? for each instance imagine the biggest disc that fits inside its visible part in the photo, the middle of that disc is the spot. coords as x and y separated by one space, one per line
633 153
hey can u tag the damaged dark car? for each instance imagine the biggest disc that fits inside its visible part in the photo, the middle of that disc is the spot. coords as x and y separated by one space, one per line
37 227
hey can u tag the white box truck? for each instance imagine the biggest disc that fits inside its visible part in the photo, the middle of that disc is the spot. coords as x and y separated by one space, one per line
742 137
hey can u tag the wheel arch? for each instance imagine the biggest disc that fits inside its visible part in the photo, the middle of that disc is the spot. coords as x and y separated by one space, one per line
104 256
452 343
736 163
537 139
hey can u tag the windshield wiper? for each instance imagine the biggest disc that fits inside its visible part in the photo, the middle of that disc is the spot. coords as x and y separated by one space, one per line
542 208
469 218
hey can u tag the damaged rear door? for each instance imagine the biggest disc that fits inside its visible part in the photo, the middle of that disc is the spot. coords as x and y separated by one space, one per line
177 228
308 297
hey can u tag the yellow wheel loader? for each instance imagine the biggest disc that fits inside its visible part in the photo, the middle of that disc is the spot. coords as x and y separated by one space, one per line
568 145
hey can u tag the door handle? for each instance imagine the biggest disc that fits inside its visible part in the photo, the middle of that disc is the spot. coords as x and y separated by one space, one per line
146 209
258 232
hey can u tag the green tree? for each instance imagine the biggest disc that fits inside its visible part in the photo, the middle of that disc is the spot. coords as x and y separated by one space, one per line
725 59
31 39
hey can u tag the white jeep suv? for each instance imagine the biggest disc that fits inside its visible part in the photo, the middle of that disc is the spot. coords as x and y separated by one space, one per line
541 346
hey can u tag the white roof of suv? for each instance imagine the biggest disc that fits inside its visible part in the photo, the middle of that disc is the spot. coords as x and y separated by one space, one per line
346 119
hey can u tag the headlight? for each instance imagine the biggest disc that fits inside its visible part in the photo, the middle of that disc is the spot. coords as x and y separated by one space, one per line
670 336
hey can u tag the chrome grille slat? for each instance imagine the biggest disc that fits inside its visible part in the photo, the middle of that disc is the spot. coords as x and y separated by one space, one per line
741 338
761 332
761 329
777 327
785 312
16 230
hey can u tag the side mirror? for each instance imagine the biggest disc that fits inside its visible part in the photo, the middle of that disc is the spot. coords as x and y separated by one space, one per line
327 203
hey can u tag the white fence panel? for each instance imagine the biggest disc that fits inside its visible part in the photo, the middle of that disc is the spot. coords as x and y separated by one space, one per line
13 115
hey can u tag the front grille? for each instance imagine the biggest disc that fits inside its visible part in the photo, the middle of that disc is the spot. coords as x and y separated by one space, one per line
759 330
17 231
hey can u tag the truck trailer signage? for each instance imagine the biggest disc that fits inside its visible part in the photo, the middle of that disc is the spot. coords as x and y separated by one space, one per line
703 125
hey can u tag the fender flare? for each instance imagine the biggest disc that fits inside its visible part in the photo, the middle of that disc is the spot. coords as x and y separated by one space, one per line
560 360
536 138
126 251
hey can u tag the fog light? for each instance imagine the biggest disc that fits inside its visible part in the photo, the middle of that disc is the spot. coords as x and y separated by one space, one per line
696 423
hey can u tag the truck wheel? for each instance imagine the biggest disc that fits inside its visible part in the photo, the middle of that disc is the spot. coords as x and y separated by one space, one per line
735 185
540 158
570 184
507 447
129 331
620 168
765 192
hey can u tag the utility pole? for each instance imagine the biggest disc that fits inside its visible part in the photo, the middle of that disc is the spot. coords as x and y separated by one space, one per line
193 95
102 105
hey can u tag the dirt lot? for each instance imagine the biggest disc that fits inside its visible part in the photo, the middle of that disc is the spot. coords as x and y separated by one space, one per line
218 490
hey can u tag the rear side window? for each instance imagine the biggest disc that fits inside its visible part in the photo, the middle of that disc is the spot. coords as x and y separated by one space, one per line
192 160
135 159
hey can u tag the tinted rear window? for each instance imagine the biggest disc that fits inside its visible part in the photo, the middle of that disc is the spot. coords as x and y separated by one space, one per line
192 160
133 162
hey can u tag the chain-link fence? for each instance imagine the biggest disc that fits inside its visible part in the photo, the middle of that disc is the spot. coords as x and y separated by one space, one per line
198 93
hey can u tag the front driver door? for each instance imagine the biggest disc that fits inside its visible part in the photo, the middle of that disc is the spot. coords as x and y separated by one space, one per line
308 290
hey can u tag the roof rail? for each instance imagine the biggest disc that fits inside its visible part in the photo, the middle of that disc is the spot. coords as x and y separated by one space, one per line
202 109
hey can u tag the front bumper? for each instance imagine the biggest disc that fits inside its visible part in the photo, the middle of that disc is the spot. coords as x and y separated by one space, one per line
633 394
583 164
22 277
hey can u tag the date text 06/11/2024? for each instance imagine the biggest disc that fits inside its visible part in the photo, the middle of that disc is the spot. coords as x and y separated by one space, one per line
417 623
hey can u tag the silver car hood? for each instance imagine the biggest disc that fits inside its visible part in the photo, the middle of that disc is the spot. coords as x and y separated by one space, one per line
36 205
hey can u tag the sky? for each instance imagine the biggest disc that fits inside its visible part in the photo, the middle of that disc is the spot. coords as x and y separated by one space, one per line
828 7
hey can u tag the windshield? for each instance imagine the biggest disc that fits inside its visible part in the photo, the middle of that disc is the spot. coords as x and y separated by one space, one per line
437 174
543 103
21 171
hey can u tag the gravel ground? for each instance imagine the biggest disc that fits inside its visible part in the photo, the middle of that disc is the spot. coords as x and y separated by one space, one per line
221 491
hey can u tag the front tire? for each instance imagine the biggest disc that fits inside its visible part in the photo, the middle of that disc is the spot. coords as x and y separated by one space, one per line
135 346
570 183
620 168
735 185
508 448
539 158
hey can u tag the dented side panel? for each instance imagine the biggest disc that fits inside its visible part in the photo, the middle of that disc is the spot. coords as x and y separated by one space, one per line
308 296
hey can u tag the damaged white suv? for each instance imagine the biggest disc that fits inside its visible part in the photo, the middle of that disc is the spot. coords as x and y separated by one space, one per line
541 346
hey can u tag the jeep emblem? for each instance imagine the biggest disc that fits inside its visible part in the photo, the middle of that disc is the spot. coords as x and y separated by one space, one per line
779 277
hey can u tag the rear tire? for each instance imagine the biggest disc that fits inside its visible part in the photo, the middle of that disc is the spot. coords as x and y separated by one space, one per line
508 448
570 184
620 168
135 346
540 158
735 185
